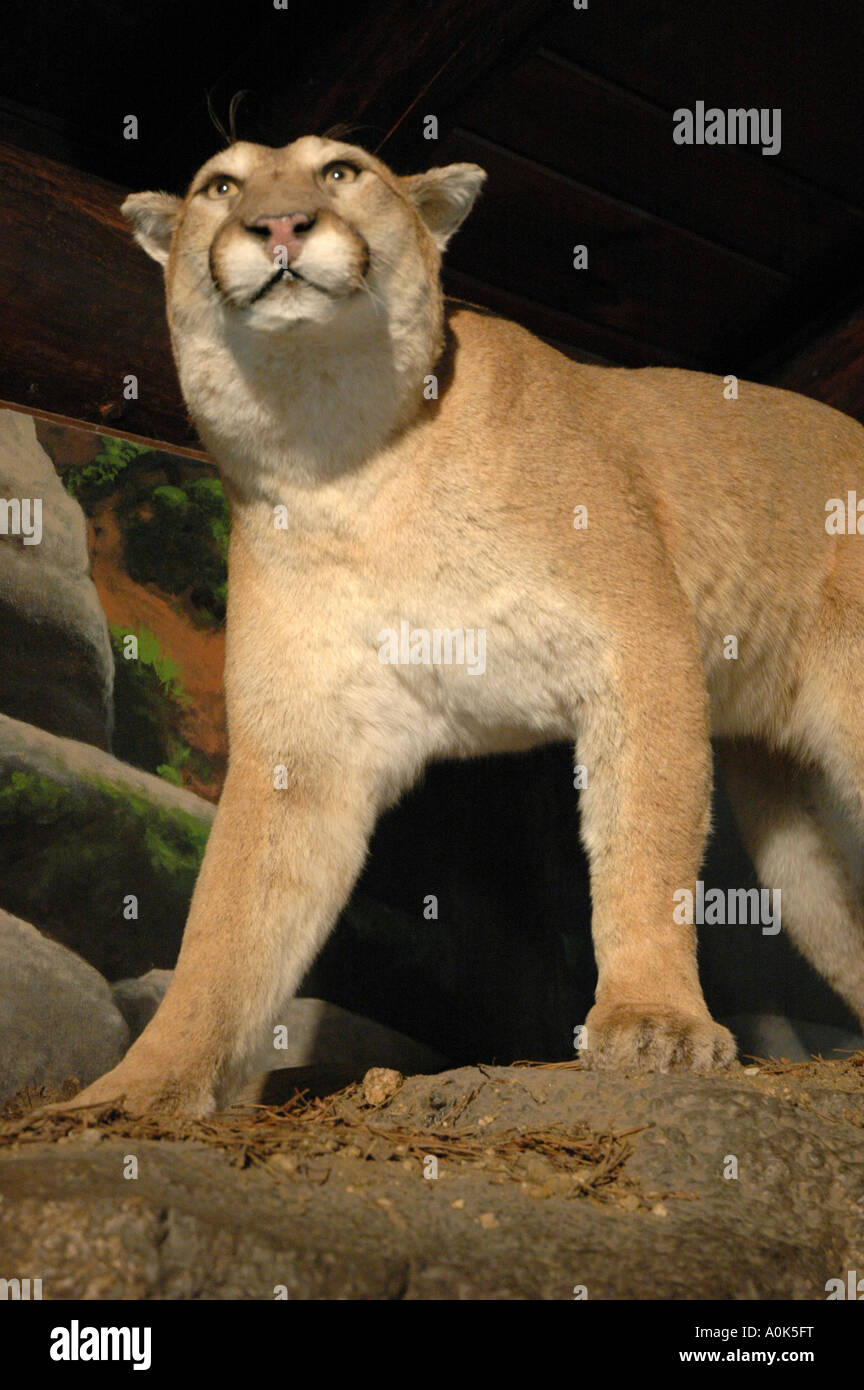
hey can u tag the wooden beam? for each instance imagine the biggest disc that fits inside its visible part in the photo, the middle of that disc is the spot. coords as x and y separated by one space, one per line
115 431
644 275
602 136
672 53
579 339
380 74
831 368
82 307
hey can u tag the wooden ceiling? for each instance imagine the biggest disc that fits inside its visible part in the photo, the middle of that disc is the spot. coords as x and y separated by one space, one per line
704 256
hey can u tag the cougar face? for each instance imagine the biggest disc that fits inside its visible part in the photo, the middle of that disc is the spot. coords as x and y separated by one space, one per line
276 238
289 231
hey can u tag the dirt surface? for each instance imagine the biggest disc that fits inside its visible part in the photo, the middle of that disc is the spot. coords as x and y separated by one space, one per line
199 652
549 1180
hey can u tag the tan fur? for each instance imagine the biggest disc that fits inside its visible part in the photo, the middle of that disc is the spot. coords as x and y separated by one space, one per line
706 518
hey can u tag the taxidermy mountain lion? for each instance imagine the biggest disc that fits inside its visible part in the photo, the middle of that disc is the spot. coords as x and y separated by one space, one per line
393 468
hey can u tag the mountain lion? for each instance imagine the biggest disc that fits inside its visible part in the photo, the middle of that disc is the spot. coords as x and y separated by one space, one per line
402 475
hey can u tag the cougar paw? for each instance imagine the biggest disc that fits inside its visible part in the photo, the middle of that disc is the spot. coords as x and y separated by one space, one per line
138 1092
636 1037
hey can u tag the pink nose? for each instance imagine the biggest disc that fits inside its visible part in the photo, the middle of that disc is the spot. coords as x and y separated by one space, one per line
285 230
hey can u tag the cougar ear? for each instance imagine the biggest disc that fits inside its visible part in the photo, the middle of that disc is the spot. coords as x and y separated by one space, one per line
153 217
444 197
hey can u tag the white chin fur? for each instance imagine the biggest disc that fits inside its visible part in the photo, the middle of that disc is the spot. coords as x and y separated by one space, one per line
290 302
325 262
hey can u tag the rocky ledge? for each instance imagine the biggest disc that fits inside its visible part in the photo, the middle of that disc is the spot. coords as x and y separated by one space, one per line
529 1182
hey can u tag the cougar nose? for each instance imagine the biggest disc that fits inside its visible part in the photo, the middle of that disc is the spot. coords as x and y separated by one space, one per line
285 229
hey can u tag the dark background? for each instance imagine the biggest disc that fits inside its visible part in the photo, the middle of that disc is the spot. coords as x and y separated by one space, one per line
708 257
705 256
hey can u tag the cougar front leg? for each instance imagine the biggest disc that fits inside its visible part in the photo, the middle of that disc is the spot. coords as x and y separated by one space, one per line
279 866
645 814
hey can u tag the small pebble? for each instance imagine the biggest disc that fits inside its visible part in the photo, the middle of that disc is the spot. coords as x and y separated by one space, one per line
380 1083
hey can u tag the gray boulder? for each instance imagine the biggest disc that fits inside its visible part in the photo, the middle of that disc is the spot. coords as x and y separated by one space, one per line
57 1017
309 1033
793 1039
138 999
76 765
101 855
57 669
313 1033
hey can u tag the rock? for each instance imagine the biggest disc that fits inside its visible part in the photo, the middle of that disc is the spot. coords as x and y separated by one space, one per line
309 1033
317 1034
57 1017
70 763
139 999
57 669
770 1035
101 855
349 1222
380 1084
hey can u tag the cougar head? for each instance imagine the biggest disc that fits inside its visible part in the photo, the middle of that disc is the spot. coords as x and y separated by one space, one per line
274 239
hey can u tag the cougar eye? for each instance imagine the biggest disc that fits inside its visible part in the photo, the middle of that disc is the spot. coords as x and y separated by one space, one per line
340 171
220 186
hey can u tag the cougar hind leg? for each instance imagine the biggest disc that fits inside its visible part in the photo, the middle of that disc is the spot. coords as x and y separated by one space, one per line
802 835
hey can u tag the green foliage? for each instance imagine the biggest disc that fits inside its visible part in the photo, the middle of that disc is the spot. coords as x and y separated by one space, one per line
169 773
45 799
104 475
151 657
69 855
175 533
177 537
149 701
